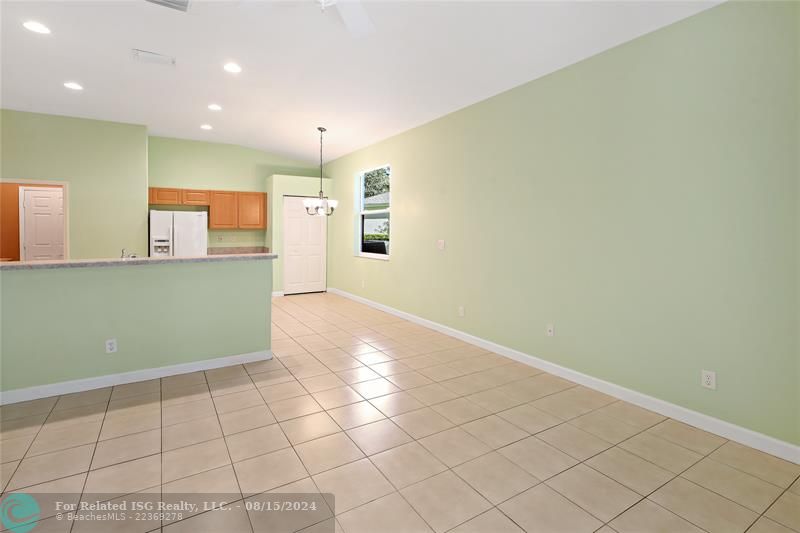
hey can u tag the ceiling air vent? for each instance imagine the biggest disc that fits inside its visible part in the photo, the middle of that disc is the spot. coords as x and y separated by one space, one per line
180 5
152 57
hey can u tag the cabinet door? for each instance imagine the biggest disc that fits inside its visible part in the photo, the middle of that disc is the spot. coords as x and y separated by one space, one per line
252 210
195 197
223 210
161 196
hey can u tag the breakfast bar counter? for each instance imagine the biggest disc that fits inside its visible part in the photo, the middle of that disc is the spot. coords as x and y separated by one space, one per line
117 262
81 324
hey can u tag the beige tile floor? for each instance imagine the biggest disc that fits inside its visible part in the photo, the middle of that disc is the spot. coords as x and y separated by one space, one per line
410 429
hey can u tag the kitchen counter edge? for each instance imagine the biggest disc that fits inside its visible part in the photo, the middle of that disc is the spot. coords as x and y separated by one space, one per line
87 263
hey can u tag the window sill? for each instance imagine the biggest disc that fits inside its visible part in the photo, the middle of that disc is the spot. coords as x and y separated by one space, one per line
380 257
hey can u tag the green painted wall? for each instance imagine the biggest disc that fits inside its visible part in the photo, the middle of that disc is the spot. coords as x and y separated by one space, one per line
105 164
204 165
277 187
161 315
108 166
797 217
645 201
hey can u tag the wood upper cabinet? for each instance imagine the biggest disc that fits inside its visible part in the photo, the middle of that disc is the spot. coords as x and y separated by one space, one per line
223 210
195 197
162 196
226 209
252 210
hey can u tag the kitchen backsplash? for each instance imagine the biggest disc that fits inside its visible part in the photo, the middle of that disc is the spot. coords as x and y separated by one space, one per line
226 250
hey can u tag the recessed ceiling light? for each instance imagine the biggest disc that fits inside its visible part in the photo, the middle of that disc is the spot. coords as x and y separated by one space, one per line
233 68
206 127
215 107
36 27
73 85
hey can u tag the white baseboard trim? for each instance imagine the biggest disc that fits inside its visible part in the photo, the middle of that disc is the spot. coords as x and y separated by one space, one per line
80 385
277 293
759 441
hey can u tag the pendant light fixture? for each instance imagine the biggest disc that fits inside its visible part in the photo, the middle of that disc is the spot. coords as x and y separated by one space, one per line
318 207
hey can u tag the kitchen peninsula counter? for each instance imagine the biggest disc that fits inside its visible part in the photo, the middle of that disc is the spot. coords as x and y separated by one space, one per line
77 325
118 262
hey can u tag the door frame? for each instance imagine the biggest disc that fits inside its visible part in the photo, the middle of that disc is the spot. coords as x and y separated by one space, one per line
283 246
37 184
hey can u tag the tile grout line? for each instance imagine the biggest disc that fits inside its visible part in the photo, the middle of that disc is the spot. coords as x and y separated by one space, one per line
447 467
299 458
680 475
27 449
708 456
94 449
494 414
368 457
227 449
580 462
647 496
765 511
161 441
417 441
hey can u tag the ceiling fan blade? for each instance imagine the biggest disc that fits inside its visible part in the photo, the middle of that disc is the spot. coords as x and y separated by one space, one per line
355 17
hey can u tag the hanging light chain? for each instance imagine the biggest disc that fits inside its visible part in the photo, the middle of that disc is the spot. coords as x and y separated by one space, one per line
320 206
321 131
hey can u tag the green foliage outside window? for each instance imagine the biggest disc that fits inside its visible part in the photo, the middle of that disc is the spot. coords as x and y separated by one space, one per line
376 182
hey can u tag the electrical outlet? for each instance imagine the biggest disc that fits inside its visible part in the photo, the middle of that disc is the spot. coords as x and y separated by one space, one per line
220 238
440 244
111 345
708 379
550 330
461 310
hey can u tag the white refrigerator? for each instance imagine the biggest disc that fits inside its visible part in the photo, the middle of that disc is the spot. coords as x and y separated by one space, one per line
178 233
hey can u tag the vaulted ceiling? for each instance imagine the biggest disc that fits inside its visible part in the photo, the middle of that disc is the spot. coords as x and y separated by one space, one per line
301 67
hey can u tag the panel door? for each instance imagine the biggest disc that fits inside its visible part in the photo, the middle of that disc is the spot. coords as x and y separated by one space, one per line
43 224
304 248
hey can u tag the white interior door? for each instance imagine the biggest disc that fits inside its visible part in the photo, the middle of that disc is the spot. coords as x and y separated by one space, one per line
304 248
42 228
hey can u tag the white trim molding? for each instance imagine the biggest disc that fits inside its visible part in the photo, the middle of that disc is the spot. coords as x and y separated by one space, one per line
80 385
759 441
368 255
277 293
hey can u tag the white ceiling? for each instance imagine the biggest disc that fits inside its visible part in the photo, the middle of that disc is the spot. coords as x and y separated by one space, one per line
301 67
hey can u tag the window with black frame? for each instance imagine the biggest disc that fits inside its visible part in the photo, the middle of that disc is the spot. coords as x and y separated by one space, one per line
375 205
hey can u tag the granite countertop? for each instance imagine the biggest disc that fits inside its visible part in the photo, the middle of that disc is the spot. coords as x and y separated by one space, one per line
85 263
